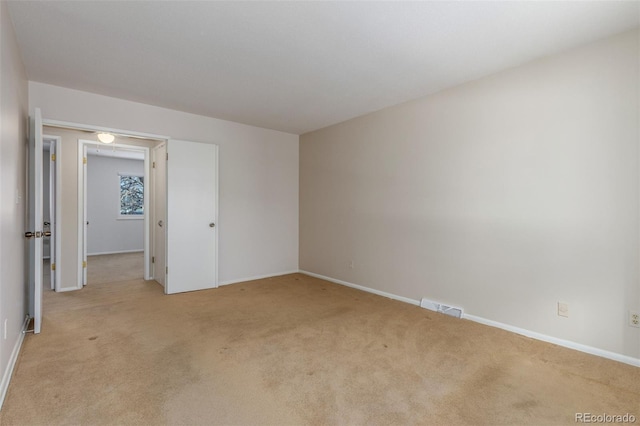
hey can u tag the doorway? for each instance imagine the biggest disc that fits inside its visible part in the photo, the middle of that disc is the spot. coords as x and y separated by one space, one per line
114 227
185 226
115 208
51 211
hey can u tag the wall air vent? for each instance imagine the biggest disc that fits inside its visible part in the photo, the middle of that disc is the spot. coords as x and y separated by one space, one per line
442 308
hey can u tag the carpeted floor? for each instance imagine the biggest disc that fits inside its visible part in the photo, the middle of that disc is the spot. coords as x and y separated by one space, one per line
293 350
105 268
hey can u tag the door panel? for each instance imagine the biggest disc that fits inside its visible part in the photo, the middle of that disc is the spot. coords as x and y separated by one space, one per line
160 212
35 220
192 197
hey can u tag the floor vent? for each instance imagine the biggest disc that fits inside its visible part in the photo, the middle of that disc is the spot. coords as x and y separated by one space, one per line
439 307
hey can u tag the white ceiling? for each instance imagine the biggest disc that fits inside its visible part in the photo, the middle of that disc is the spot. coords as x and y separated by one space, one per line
294 66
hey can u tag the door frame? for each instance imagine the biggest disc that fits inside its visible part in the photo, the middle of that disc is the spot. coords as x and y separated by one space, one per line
69 125
82 205
142 135
55 250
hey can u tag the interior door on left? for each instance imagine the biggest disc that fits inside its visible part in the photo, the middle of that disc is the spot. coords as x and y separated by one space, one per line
35 220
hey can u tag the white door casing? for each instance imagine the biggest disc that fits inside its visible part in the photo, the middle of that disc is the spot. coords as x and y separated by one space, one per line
85 217
35 220
55 214
84 224
52 211
192 214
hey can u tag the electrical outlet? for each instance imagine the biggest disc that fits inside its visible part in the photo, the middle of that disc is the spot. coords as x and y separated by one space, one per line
5 329
563 309
351 265
634 319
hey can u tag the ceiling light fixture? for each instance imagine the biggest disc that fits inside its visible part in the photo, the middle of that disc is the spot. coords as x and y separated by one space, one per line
106 137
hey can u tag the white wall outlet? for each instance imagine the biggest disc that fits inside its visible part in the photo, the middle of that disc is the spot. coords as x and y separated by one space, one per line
634 319
563 309
351 265
4 333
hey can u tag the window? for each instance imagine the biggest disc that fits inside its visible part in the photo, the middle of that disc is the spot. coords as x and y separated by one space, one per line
131 196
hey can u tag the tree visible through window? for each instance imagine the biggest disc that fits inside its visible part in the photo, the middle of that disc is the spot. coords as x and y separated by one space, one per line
131 195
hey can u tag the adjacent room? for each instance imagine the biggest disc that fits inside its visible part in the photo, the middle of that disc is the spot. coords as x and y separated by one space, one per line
115 214
345 213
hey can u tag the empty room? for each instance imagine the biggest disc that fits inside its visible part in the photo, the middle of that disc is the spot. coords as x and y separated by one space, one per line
319 213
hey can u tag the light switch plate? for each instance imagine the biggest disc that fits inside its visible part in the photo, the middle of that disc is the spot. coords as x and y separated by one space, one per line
563 309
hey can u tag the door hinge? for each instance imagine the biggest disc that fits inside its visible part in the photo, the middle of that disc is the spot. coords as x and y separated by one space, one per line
84 160
53 157
167 155
84 264
154 165
153 259
53 266
166 270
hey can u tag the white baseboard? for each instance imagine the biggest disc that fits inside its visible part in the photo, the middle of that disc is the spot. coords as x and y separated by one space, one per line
532 334
363 288
259 277
556 341
8 372
115 252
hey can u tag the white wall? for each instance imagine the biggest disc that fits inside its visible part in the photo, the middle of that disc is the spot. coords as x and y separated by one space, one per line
258 221
504 196
107 233
13 124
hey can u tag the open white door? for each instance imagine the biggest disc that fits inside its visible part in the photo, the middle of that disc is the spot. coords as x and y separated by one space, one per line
192 214
159 213
35 232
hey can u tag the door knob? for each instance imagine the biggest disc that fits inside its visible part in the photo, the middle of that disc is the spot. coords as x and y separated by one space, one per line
29 234
46 233
212 225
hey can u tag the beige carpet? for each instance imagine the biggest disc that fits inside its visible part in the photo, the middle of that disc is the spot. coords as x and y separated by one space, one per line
106 268
293 350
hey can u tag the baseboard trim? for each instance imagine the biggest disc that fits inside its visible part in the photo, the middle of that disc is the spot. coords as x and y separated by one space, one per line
524 332
115 252
66 289
8 372
363 288
258 277
556 341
